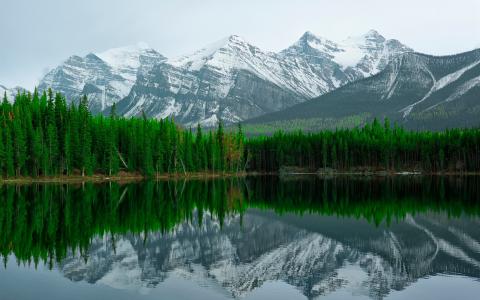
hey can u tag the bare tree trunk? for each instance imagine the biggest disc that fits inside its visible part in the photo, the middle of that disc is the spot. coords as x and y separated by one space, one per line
183 166
121 158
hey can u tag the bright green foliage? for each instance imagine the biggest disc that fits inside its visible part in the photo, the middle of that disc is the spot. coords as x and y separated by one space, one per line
2 151
9 166
42 136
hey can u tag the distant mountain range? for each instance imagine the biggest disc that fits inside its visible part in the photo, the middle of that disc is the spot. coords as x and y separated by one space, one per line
314 84
230 80
10 92
105 77
416 90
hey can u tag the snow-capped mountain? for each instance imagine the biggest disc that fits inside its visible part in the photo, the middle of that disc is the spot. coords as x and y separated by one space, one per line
10 92
317 255
105 77
416 90
228 80
351 59
233 80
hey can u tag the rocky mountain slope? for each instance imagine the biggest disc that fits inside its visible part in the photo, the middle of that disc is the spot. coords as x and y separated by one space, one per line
230 80
416 90
343 62
317 255
233 80
105 77
10 92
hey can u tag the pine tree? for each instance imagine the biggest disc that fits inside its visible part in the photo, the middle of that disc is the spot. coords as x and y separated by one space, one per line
239 148
187 152
20 148
221 147
2 151
112 156
441 157
199 150
147 159
37 152
113 111
67 150
52 150
324 153
9 165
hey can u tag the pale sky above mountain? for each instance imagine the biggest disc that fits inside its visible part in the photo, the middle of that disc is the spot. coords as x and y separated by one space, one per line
38 35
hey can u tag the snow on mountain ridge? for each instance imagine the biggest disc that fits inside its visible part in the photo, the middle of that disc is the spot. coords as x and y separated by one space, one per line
318 43
196 60
371 45
234 77
416 90
125 60
228 54
105 77
352 51
11 93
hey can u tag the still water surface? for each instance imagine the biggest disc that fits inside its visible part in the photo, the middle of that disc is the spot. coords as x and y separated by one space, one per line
253 238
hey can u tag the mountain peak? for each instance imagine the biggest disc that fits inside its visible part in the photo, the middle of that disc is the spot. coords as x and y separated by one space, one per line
93 57
11 93
229 41
367 38
372 33
311 43
236 38
308 35
121 52
197 59
126 57
225 42
373 36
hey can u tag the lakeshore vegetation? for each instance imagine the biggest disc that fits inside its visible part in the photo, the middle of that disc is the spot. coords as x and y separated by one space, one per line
40 135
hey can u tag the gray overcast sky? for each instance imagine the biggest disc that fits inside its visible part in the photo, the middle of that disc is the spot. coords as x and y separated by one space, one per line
39 34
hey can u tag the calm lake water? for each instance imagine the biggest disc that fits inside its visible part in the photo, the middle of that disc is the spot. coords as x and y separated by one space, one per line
250 238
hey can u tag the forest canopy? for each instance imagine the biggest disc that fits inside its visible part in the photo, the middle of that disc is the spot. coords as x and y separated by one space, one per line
42 135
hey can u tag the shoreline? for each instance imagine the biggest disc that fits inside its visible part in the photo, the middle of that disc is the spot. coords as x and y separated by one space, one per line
121 178
135 177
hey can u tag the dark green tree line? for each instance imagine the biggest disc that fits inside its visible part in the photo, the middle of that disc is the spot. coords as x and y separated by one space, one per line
41 135
375 146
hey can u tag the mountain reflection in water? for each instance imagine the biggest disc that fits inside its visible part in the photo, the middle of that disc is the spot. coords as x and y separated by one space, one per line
368 236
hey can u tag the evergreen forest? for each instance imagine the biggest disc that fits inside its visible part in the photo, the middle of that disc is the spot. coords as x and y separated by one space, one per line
42 135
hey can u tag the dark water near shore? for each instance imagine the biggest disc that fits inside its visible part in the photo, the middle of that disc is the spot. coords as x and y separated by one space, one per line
405 237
